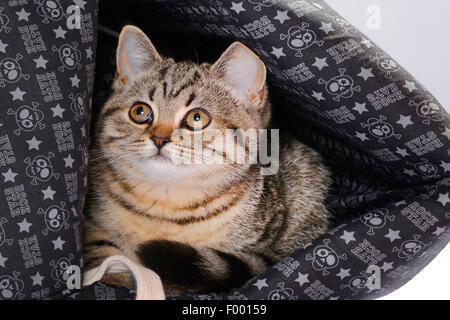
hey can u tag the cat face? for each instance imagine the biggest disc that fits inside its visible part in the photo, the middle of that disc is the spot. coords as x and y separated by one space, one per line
167 120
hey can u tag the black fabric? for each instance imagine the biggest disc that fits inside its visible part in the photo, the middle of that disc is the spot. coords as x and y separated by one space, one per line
386 139
46 79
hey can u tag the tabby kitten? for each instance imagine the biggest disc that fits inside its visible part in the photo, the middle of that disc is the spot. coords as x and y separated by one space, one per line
201 227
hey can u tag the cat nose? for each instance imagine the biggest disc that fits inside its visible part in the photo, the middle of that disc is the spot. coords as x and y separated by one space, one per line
160 141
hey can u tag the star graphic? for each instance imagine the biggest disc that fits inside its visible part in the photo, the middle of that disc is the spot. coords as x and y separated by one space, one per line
237 7
367 43
387 266
443 198
3 46
278 52
58 243
446 133
261 283
302 278
75 81
68 161
360 107
405 121
33 143
17 94
24 226
326 27
79 3
361 136
48 193
366 73
318 95
402 152
445 166
60 33
9 176
393 235
321 63
343 273
409 172
58 111
23 15
282 16
37 279
41 62
89 53
2 260
410 85
439 231
348 237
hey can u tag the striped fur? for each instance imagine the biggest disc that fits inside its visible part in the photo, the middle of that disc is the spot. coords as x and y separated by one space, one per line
202 227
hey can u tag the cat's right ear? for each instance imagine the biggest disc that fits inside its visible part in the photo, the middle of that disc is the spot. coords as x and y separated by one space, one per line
135 53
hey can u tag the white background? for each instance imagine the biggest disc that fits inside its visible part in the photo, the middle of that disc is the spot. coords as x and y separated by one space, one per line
416 34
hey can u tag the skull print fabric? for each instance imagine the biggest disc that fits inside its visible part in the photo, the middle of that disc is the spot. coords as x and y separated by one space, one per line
46 78
385 137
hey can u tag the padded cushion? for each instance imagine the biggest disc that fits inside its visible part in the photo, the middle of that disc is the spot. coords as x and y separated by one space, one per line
46 80
382 133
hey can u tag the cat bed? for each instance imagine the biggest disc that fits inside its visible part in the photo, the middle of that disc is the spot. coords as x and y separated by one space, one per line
384 136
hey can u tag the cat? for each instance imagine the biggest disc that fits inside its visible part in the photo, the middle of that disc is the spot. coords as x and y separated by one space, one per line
202 227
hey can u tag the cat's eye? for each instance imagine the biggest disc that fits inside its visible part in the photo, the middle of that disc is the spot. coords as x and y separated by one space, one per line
197 119
141 113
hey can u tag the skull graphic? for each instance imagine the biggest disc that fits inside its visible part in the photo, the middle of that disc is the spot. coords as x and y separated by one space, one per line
212 11
380 129
55 218
219 10
430 191
4 21
301 38
427 169
341 86
11 71
385 64
50 10
40 168
282 293
358 283
410 248
261 3
69 55
28 118
3 238
59 272
376 219
78 105
428 109
11 287
325 258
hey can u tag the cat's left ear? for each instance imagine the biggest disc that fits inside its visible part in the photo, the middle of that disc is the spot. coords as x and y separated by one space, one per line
135 53
243 72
